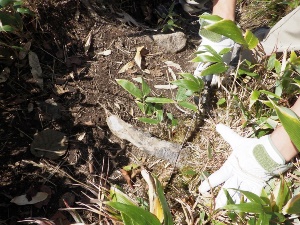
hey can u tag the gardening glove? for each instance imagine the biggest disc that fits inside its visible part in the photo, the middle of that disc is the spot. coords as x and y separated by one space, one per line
224 42
251 164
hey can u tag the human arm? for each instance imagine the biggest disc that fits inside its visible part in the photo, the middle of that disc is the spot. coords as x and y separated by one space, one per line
252 162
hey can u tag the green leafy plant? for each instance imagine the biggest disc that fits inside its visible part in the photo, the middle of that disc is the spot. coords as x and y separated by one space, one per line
153 106
168 19
11 12
269 208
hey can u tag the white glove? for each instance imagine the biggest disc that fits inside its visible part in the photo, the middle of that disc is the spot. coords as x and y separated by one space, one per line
217 46
251 164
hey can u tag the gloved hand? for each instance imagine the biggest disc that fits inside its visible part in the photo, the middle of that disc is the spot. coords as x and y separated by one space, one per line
217 46
251 164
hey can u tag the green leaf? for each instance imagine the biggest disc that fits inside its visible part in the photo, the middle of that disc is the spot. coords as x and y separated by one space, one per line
148 120
216 68
159 100
264 219
251 39
4 3
130 87
181 94
160 115
254 97
188 84
188 105
166 210
213 52
271 61
221 101
206 58
229 29
24 11
270 94
191 77
291 123
251 196
119 196
224 51
130 167
127 220
282 194
292 206
145 88
250 207
7 28
138 215
250 74
212 18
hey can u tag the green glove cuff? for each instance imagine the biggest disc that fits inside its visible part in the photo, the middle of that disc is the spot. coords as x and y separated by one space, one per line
266 161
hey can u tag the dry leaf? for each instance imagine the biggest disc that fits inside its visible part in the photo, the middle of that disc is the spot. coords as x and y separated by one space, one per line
60 219
68 198
128 19
4 74
172 73
88 123
30 107
49 143
36 69
172 64
105 53
166 87
139 58
127 66
88 42
38 220
22 199
25 50
81 136
59 90
126 176
46 189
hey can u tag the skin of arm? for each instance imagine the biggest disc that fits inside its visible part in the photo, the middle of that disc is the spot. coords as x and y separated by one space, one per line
281 139
224 9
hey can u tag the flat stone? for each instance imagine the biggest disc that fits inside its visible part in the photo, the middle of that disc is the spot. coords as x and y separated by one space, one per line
171 43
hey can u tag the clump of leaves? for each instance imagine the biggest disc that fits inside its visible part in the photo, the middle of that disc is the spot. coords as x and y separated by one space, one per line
153 106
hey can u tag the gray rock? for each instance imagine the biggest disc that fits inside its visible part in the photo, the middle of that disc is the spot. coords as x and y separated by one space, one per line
171 43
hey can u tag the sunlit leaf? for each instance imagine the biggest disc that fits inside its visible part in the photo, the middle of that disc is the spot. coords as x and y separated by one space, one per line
119 196
251 196
229 29
138 215
250 207
290 122
188 84
292 206
216 68
7 28
281 194
188 105
159 100
206 58
251 39
166 210
148 120
130 87
221 101
254 97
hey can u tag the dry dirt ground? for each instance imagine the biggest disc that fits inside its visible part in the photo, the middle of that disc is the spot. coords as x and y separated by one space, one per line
77 84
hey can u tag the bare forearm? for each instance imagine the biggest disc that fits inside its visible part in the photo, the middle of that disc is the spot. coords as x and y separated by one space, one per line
281 139
224 8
